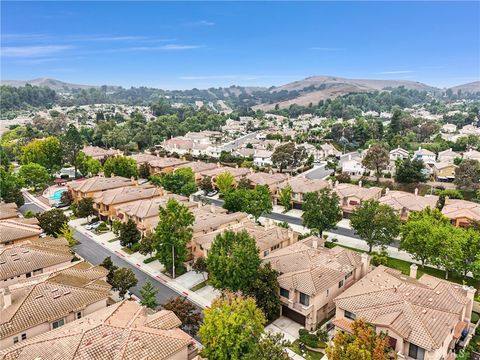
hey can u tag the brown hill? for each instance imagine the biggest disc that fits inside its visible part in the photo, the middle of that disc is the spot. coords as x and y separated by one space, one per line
472 87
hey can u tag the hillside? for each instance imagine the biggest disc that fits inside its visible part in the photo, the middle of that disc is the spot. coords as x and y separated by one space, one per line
472 87
50 83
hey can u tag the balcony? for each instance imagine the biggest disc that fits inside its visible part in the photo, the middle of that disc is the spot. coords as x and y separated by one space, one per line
303 309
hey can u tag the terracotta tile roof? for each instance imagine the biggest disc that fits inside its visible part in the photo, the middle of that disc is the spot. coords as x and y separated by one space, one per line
13 230
211 218
97 152
455 209
263 178
126 194
32 255
122 331
312 270
99 183
303 185
166 162
143 158
362 193
198 166
236 172
423 312
149 207
400 200
8 211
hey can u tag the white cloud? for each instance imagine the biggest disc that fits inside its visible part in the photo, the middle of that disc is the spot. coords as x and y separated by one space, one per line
201 23
178 47
33 51
393 72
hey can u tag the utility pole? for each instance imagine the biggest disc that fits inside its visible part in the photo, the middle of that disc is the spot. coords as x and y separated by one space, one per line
173 260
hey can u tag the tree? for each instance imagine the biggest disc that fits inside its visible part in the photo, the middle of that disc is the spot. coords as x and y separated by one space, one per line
410 171
244 183
377 158
47 152
129 234
52 221
224 182
363 343
148 295
450 193
470 251
467 175
188 314
321 210
288 156
85 207
120 166
376 223
285 197
200 265
270 347
72 144
234 200
67 233
87 165
417 234
258 201
34 175
108 264
123 279
144 171
147 244
231 328
66 198
233 261
206 185
10 187
265 289
449 250
181 182
172 234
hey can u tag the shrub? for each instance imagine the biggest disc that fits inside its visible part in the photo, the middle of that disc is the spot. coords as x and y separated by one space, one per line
102 227
303 332
322 335
135 247
310 340
149 260
379 258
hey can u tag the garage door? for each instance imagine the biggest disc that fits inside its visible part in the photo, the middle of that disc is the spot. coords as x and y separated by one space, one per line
291 314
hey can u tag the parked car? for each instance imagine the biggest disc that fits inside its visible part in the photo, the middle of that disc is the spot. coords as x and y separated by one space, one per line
212 193
59 205
94 225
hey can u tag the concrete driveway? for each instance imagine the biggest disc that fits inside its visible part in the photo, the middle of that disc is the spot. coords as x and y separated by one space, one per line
286 326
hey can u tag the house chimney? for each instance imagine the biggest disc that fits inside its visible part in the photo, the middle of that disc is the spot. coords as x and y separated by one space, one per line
470 297
360 183
416 191
365 264
315 242
387 190
413 271
5 298
336 183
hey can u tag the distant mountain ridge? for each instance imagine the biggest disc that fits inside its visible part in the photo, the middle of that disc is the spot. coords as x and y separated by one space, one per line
51 83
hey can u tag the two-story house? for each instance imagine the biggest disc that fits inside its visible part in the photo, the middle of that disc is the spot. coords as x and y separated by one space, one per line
427 156
84 188
404 202
351 196
300 186
462 213
398 154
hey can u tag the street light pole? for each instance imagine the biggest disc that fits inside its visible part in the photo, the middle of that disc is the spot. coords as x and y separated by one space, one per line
173 260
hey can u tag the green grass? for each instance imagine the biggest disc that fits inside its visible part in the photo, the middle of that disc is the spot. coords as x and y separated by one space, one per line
199 286
149 260
127 250
475 317
309 355
113 240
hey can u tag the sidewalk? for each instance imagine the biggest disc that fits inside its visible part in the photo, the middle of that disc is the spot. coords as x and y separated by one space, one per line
153 269
34 200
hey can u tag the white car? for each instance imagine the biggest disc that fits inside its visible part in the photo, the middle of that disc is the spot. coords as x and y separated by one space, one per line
94 225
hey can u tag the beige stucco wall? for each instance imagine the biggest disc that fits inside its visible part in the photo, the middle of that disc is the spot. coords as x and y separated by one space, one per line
45 270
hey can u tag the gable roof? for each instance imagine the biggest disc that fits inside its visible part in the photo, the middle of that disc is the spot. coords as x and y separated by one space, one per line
125 330
303 185
8 211
454 209
13 230
98 152
166 162
99 183
399 200
263 178
349 190
126 194
150 207
198 166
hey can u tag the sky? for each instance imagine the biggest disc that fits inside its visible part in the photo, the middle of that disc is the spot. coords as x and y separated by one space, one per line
182 45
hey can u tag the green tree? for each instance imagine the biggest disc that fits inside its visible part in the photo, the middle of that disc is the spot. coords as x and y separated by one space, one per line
120 166
85 207
258 201
224 182
181 182
47 152
244 183
450 193
188 313
129 234
233 261
234 200
470 250
66 198
200 265
34 175
467 175
231 328
123 279
52 221
377 158
149 295
418 236
363 343
376 223
72 144
285 197
108 264
206 185
10 188
87 165
410 171
321 210
67 233
270 347
147 244
288 156
172 234
449 252
265 289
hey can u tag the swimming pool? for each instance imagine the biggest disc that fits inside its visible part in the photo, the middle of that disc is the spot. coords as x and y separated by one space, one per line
57 195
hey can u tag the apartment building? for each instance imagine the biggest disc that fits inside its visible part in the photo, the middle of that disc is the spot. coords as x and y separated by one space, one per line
84 188
404 202
14 231
461 212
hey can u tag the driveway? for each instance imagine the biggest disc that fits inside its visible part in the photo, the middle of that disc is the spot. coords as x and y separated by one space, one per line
286 326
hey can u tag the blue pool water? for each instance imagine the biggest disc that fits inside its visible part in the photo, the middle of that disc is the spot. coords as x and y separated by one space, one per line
57 195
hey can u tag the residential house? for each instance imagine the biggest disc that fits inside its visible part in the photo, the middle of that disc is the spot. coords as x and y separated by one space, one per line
13 231
165 165
262 158
447 156
99 153
449 128
178 145
300 186
8 211
198 167
30 258
472 155
444 171
399 154
404 202
269 238
461 212
469 130
84 188
311 276
270 179
351 196
106 202
142 159
352 167
44 303
423 318
122 331
427 156
327 150
236 172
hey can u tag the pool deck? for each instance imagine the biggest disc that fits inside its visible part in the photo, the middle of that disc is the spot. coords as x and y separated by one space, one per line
48 193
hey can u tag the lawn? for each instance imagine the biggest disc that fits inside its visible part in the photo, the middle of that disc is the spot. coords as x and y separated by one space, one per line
113 240
127 250
309 355
199 286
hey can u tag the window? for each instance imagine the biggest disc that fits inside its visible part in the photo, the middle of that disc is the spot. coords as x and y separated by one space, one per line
78 315
275 247
416 352
328 292
350 315
284 293
15 339
24 336
29 275
58 323
304 299
265 253
348 275
340 284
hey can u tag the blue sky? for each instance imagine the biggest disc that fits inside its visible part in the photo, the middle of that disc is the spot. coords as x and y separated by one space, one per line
191 44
